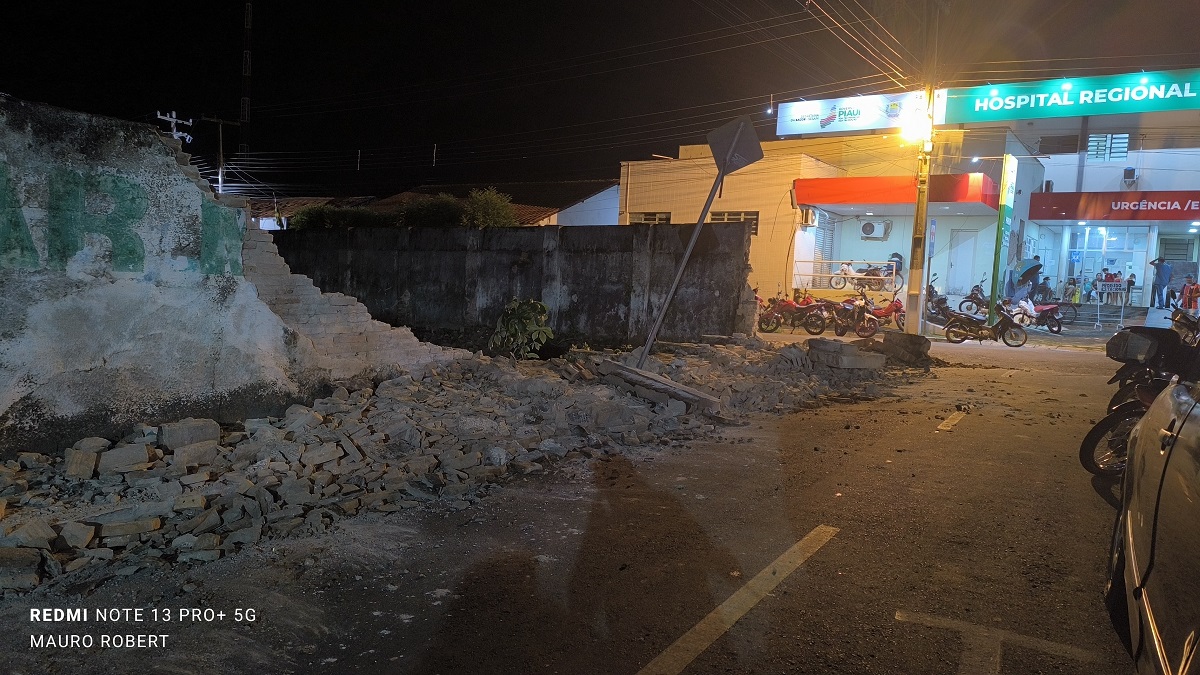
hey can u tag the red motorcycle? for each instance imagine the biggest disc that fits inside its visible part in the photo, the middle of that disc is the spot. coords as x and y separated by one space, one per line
800 311
885 314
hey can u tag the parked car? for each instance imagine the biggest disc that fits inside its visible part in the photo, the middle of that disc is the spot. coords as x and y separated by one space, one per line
1154 566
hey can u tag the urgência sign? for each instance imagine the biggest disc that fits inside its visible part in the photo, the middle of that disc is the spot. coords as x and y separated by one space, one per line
1075 97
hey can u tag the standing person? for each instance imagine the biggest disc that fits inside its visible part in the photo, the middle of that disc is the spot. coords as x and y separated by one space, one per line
1116 298
1190 294
1129 284
1096 287
1108 276
1068 293
1162 277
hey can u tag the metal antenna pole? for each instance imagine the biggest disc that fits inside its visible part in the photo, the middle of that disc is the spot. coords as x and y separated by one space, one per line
220 148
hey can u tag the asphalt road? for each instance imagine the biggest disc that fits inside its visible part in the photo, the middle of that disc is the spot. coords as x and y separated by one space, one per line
856 538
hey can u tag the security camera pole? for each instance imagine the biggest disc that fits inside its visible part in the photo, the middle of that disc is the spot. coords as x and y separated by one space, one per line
734 146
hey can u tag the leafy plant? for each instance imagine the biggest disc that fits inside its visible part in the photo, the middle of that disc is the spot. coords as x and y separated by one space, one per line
521 329
332 217
489 208
441 210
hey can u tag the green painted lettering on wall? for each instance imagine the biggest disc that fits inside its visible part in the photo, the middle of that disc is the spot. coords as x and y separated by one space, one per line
220 239
69 220
16 242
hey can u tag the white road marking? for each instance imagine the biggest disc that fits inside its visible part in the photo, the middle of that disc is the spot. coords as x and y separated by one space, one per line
693 643
981 645
951 421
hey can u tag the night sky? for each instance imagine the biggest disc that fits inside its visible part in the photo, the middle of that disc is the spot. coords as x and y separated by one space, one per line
350 98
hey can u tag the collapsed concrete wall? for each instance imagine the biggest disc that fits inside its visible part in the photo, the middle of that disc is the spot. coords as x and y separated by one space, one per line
600 282
122 295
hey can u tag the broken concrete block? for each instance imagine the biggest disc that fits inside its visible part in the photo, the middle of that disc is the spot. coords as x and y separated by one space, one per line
93 444
848 359
319 454
552 447
195 454
299 419
188 431
31 460
297 492
132 527
77 535
195 478
199 556
191 500
124 456
457 463
184 541
675 408
206 541
33 534
420 465
246 536
20 569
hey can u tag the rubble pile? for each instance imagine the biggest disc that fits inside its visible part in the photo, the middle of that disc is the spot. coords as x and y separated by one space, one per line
755 376
191 492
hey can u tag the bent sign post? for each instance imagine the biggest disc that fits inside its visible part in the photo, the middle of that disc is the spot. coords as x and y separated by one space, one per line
734 146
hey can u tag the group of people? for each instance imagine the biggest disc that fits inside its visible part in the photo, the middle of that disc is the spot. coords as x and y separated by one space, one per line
1164 296
1089 289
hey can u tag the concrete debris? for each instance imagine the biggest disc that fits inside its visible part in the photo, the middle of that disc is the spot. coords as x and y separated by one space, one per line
190 492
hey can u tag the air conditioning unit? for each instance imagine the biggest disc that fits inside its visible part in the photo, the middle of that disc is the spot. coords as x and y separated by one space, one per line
876 230
806 217
1130 176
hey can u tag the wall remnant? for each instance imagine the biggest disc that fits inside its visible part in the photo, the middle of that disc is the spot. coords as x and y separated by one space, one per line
600 282
122 295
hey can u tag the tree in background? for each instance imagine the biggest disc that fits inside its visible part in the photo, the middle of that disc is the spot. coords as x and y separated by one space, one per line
489 208
442 210
332 217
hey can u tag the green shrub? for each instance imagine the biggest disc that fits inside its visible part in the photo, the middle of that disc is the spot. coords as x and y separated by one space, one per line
331 217
440 211
521 329
489 208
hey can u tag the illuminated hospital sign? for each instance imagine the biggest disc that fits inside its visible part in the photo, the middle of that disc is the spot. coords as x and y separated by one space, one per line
1076 97
854 113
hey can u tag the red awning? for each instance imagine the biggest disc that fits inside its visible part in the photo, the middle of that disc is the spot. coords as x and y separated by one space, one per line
1174 205
945 188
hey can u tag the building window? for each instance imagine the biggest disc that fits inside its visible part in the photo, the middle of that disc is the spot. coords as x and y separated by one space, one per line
747 217
1108 147
643 218
1059 145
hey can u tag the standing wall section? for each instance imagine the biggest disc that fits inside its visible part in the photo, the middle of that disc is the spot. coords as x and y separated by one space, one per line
601 283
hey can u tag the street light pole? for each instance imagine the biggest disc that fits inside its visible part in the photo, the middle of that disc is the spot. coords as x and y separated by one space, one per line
915 320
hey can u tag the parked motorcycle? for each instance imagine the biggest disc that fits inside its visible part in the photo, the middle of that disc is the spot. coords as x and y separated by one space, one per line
895 309
851 315
799 311
933 310
1105 448
1029 314
961 327
1148 353
975 302
871 276
1151 358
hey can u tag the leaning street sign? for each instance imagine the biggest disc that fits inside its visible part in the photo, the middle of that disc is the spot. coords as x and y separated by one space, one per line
735 145
1075 97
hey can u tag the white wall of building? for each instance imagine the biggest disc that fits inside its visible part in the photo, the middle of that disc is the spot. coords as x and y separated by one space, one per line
1159 169
599 209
